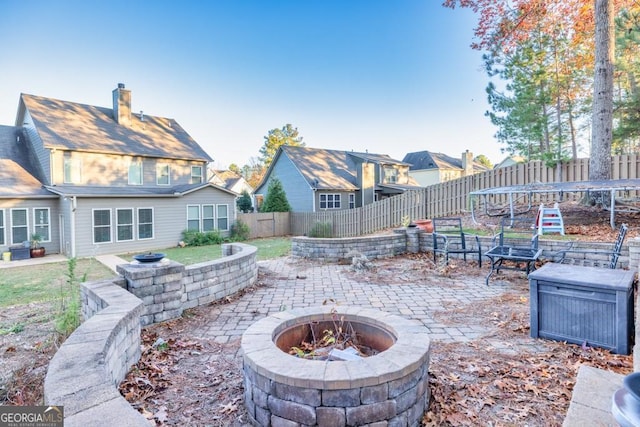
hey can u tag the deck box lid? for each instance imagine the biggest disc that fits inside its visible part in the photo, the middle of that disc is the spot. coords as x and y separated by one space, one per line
603 278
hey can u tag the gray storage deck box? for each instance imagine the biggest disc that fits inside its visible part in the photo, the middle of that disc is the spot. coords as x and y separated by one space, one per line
583 304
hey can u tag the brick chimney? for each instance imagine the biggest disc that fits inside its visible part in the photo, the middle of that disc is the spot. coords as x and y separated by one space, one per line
122 105
467 163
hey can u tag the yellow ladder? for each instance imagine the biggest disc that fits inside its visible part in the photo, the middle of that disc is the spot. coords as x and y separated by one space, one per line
550 220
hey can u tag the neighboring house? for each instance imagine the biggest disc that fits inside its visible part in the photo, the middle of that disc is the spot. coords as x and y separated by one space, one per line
317 179
510 161
95 180
429 168
230 180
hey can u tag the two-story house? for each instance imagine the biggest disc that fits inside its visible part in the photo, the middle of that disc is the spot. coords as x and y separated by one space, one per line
317 179
429 168
93 180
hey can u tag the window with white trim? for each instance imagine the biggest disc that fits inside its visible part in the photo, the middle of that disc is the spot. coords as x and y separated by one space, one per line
208 218
390 175
19 226
193 217
72 169
135 172
101 225
329 201
124 225
145 223
223 217
163 176
196 174
352 200
2 228
42 223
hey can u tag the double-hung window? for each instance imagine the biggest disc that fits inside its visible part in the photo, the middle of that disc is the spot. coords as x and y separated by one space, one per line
145 223
193 217
208 219
329 201
19 226
196 174
101 225
223 217
2 228
352 201
163 176
135 172
124 225
72 170
41 223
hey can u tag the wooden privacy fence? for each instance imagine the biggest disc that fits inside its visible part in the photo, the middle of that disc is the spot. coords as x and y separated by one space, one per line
438 200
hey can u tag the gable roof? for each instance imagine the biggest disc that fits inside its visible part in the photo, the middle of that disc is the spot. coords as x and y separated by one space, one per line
18 175
421 160
227 178
71 126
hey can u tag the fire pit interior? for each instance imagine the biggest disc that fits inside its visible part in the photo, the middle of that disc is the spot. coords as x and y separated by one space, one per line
391 385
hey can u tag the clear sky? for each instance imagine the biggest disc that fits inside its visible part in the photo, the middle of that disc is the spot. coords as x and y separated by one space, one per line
390 77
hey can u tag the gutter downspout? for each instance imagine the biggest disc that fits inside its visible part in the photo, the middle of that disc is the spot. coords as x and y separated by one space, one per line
74 206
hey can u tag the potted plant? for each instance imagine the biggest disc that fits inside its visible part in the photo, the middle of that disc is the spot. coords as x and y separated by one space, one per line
36 251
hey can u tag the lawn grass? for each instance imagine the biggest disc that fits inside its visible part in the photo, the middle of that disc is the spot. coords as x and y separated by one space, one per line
268 248
37 283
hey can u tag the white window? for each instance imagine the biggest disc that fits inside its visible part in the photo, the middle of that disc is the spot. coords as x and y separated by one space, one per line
19 226
390 175
208 219
223 217
163 176
41 223
352 200
135 172
124 225
196 174
101 225
193 217
72 170
2 228
145 223
329 201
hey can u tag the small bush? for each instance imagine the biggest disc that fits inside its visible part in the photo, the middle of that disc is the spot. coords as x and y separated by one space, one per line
240 231
321 229
68 316
198 238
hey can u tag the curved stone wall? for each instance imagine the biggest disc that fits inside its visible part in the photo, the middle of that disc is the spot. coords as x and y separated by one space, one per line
84 374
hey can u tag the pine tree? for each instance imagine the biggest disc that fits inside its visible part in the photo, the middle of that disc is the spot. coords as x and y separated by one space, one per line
276 200
244 202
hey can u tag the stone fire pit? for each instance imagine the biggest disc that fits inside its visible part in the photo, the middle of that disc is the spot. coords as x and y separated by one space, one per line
390 386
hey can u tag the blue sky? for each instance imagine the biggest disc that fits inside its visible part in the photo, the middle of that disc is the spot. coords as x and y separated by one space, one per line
389 77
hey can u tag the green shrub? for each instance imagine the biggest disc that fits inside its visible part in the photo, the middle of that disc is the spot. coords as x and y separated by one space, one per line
240 231
198 238
321 229
68 316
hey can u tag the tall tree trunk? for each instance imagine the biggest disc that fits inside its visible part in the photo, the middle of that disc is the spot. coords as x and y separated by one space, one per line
602 120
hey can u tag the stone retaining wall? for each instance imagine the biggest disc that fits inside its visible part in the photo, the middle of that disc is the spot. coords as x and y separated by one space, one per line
415 240
169 288
84 374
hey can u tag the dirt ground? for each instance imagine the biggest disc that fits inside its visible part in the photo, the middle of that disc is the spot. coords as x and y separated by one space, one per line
504 378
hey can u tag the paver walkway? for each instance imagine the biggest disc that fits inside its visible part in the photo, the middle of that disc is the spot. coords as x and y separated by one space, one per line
292 283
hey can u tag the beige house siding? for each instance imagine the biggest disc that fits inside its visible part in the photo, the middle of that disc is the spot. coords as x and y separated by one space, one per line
169 220
113 169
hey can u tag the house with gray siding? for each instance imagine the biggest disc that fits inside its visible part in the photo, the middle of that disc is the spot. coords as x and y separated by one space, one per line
318 179
93 180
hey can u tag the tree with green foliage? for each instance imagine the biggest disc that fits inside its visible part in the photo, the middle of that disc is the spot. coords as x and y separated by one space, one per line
244 202
288 135
276 200
483 160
